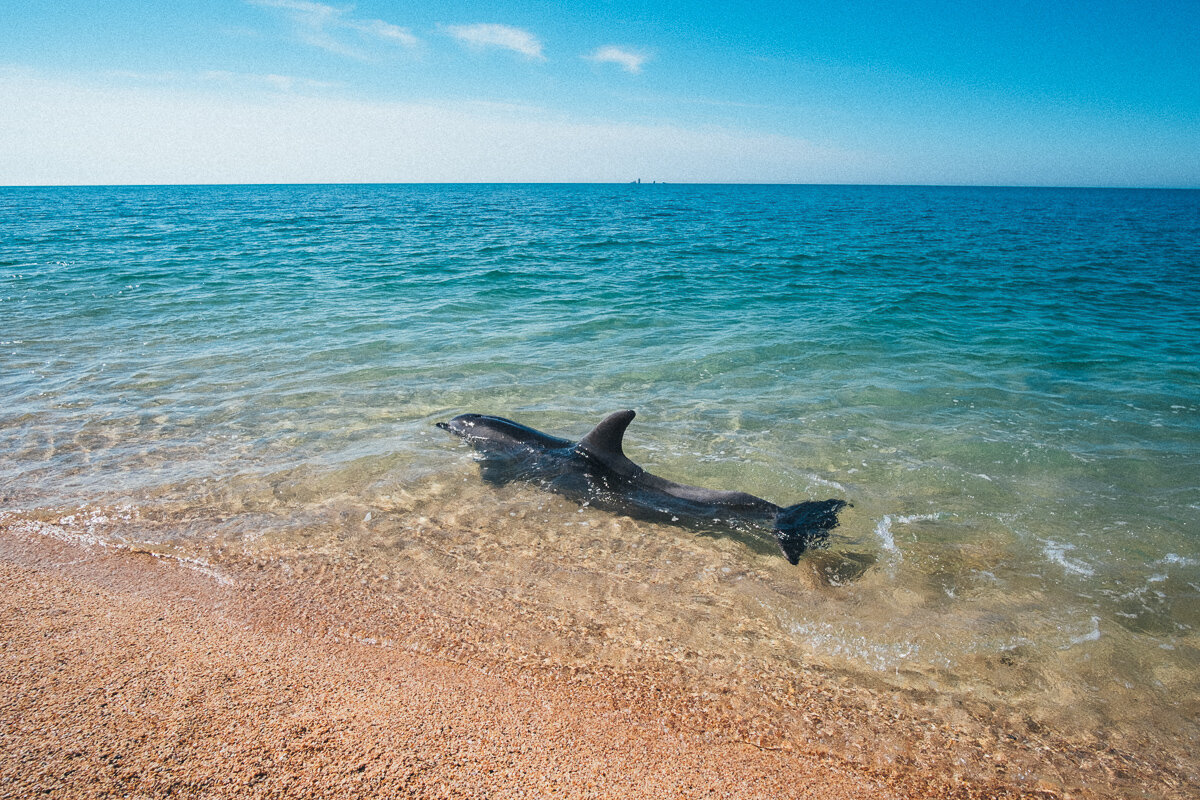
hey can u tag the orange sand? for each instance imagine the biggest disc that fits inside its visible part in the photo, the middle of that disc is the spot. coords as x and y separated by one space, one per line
126 675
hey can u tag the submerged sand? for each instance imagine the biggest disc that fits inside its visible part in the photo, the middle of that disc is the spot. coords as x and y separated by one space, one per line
124 673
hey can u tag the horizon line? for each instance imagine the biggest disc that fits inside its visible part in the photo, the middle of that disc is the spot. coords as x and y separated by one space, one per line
635 182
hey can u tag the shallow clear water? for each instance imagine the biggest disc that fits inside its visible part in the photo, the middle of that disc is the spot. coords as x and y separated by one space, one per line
1004 382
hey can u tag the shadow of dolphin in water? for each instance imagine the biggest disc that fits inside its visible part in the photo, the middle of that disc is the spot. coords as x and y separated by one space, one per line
595 470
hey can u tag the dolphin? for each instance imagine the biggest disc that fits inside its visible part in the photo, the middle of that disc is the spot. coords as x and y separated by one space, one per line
596 471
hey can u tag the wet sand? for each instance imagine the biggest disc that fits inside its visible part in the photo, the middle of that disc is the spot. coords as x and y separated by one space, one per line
128 674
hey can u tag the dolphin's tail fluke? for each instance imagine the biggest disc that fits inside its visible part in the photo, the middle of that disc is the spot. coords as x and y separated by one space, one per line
805 525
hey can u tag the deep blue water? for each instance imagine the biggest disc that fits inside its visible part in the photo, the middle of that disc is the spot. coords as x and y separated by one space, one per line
1005 382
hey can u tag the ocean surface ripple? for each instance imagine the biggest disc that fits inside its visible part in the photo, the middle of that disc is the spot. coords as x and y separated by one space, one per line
1004 382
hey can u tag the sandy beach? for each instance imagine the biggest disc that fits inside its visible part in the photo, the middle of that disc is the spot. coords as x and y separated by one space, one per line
131 675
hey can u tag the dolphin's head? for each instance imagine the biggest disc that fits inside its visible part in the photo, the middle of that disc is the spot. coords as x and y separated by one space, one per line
498 435
464 425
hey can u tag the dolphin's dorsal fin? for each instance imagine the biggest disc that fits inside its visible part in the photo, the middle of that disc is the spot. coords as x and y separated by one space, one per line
604 443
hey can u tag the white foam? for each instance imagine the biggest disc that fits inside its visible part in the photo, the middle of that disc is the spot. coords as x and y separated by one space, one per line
1057 553
884 531
1090 636
884 528
194 564
881 656
80 529
817 479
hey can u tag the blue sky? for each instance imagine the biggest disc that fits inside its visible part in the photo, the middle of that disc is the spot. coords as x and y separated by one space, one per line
1103 93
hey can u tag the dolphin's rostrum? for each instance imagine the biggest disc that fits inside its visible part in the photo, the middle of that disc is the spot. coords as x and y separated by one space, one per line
596 470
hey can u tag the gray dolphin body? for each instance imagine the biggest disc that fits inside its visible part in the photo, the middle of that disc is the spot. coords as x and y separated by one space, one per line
595 470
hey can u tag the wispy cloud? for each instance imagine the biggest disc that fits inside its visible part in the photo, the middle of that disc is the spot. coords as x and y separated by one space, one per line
628 60
387 31
240 81
68 131
334 29
279 83
502 36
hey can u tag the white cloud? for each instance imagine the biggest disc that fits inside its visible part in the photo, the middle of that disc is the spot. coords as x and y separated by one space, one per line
629 60
503 36
334 29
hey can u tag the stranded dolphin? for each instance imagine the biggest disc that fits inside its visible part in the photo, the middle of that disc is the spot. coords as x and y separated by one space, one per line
595 470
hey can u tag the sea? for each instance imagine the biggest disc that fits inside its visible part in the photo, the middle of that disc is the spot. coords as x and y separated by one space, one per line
1004 383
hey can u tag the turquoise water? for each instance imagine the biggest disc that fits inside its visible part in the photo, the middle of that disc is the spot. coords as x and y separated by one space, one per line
1004 382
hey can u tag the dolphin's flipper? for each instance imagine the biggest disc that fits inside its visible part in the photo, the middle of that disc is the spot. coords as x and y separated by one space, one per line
604 444
805 525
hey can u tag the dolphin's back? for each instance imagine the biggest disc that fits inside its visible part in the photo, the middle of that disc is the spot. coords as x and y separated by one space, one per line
486 432
735 501
604 447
